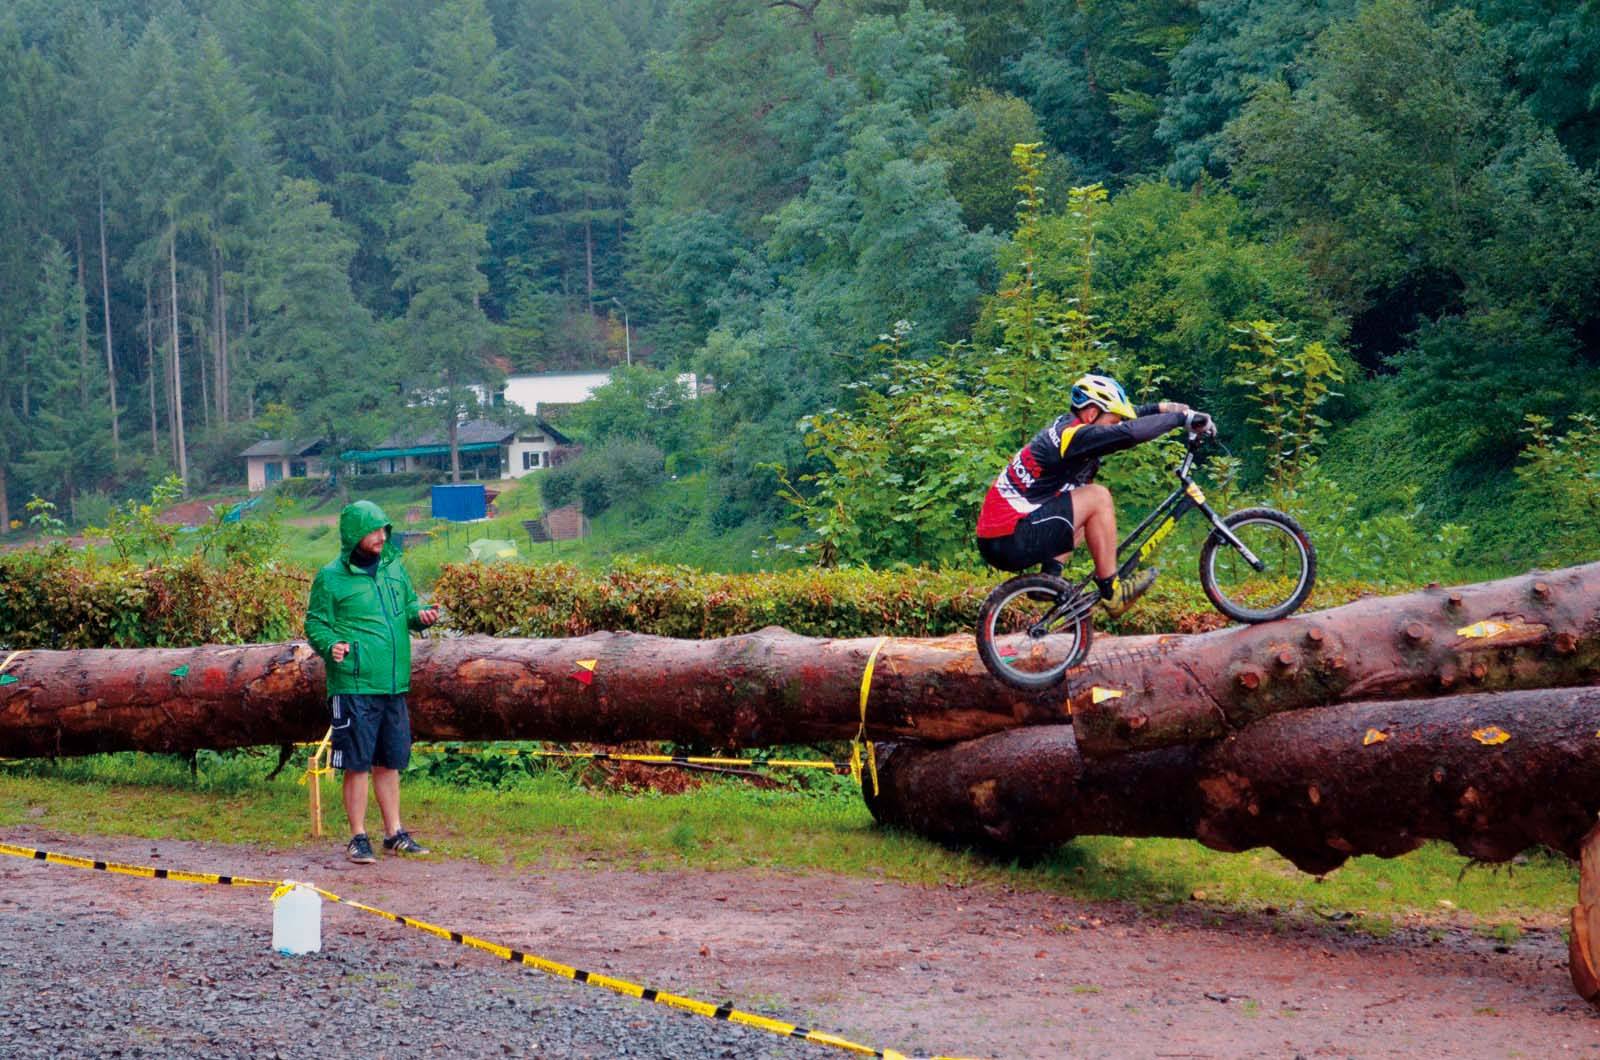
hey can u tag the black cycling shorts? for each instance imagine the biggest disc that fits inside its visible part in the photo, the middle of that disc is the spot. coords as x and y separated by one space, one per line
370 730
1044 533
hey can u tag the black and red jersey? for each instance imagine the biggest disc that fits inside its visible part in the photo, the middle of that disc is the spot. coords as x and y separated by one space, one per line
1061 457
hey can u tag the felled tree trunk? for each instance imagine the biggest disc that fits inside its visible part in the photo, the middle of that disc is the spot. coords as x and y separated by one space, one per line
1491 773
770 687
1541 630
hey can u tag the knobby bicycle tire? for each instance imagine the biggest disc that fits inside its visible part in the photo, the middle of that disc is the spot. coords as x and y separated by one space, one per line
1063 649
1301 554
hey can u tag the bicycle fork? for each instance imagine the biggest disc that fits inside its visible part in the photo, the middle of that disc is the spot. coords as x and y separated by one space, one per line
1256 564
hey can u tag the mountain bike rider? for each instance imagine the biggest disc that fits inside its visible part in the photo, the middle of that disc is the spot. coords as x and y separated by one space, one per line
1045 500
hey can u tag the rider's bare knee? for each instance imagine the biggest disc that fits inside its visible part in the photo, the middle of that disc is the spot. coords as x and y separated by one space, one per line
1094 496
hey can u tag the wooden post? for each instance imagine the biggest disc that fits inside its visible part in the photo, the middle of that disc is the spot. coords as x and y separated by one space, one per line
315 769
1584 947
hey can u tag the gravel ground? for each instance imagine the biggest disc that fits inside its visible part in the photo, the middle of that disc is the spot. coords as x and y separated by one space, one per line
97 984
98 965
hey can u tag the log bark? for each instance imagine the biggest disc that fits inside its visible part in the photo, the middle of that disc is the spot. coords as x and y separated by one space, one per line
1541 630
1491 773
765 688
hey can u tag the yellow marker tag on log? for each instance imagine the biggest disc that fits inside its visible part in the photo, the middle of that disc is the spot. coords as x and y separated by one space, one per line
1482 630
1373 736
589 664
1490 735
1100 695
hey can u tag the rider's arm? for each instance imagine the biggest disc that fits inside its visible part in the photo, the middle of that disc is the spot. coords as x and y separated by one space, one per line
1160 406
1094 440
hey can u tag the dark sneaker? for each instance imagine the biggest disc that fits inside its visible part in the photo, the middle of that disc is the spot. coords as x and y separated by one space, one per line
1052 567
359 850
402 843
1124 593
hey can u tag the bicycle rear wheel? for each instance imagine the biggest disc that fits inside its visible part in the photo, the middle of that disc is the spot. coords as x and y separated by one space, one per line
1288 566
1032 629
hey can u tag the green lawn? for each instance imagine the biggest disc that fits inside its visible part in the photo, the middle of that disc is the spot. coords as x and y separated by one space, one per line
542 817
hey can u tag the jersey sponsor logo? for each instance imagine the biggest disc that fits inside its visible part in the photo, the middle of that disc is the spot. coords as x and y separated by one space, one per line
1012 495
1020 474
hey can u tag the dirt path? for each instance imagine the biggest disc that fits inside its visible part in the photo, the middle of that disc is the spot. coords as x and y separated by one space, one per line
957 970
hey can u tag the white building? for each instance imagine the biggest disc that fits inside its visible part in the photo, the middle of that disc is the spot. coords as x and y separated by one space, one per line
550 388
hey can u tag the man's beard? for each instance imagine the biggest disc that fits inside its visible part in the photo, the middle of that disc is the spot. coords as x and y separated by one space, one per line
362 558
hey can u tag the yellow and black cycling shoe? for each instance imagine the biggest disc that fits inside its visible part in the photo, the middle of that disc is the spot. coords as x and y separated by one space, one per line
1125 592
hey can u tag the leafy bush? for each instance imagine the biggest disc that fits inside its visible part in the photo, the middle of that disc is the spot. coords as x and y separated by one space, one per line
604 475
560 600
1559 497
60 600
91 508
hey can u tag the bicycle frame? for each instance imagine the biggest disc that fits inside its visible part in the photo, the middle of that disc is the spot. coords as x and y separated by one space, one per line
1145 538
1148 535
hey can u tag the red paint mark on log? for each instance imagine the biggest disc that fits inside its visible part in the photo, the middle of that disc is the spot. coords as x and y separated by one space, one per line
1250 679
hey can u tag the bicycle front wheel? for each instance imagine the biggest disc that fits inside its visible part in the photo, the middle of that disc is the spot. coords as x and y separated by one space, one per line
1032 630
1287 571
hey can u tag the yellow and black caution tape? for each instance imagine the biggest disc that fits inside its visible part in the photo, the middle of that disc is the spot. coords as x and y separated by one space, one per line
146 871
620 986
658 760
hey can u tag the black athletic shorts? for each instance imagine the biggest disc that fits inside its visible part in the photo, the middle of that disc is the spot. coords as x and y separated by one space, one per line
368 731
1044 533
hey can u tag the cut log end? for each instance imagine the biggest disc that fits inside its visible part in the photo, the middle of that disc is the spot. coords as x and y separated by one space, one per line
1583 949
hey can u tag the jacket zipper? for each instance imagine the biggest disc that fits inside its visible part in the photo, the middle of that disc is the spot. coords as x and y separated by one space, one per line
388 625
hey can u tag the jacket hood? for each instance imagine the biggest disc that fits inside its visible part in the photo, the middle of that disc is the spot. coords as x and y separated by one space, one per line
357 521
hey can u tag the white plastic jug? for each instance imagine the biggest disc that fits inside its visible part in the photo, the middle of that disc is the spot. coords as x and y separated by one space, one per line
296 919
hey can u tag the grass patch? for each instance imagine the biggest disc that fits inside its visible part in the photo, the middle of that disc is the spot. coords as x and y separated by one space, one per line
542 818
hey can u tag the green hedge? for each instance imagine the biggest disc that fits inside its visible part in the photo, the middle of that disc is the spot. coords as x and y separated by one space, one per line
66 600
559 600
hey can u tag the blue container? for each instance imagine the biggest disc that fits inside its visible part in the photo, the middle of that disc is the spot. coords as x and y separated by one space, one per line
459 503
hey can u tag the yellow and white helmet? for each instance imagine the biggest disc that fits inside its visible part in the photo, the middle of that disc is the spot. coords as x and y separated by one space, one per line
1102 391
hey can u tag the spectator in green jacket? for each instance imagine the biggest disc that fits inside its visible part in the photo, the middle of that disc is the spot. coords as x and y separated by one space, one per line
360 619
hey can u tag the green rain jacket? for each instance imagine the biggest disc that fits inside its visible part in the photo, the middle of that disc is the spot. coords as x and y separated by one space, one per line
373 613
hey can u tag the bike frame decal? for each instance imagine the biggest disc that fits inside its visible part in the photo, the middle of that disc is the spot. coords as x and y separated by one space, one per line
1156 538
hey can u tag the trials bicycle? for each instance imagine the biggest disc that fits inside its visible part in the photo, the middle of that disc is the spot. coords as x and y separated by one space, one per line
1256 565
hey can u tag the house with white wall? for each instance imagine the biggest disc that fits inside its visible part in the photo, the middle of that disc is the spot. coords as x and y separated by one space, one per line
275 459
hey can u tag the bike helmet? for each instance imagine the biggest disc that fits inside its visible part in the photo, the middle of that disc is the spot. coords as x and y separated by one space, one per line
1104 392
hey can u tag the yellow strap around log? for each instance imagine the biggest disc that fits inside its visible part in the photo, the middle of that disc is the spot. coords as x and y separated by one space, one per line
861 732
